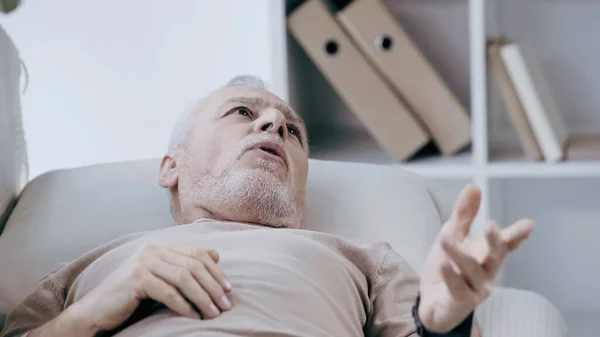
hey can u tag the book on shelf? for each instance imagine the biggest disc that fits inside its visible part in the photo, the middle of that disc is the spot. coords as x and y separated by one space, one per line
532 87
397 58
512 102
532 107
384 115
392 88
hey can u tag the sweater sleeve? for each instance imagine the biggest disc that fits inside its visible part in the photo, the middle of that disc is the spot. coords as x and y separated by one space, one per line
39 307
394 290
48 299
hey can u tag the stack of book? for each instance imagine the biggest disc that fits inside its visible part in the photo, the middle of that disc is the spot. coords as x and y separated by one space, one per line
382 76
531 107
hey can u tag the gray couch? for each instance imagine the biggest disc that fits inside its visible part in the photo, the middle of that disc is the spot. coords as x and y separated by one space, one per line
64 213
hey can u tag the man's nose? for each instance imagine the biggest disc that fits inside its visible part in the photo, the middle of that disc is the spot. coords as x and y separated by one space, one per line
272 121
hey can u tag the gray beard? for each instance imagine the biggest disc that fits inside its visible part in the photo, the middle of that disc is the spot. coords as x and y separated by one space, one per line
256 193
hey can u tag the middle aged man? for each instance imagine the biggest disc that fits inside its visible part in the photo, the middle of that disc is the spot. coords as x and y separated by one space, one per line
240 264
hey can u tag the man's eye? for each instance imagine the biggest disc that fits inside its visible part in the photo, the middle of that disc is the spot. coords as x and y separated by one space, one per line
243 111
292 129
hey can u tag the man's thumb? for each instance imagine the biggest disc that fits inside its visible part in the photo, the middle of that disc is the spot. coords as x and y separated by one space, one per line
213 255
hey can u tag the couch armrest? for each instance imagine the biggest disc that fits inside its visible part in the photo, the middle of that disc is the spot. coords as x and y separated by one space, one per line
519 313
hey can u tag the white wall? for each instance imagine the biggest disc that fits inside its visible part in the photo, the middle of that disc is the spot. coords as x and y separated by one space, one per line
109 78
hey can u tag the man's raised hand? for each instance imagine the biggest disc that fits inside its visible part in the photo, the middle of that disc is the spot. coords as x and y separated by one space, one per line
460 271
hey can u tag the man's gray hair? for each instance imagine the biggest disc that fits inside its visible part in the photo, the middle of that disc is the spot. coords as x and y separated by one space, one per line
183 125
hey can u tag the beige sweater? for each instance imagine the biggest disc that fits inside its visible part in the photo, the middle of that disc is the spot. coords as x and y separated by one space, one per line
286 282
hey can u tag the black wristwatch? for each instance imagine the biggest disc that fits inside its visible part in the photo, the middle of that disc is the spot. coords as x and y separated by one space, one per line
462 330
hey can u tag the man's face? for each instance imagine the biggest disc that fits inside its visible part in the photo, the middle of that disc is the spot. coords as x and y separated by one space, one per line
245 159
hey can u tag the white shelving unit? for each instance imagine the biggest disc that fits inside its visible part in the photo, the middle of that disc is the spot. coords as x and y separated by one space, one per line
445 33
558 261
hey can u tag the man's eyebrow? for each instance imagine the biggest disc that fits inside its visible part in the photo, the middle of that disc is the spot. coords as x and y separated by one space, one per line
260 102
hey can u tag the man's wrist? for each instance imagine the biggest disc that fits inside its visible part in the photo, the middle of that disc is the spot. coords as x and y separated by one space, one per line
76 319
461 330
70 322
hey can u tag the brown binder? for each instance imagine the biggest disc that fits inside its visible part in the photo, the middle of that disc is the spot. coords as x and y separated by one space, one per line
384 115
384 41
513 105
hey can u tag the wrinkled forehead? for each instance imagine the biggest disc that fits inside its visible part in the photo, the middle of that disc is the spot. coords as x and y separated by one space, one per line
248 96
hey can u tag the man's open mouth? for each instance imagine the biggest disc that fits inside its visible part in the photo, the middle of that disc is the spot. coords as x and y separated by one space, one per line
272 148
271 151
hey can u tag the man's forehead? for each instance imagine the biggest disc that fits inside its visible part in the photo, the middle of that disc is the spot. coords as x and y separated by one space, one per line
254 97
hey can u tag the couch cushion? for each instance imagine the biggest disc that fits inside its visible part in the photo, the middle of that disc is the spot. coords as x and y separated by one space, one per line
65 213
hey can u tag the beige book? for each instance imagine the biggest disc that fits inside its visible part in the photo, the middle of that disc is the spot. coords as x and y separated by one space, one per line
383 114
396 57
513 105
524 67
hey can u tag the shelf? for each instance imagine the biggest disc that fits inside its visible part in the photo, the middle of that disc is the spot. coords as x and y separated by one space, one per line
515 165
534 170
359 146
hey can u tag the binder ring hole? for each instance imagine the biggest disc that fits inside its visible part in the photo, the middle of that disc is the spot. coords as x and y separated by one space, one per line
384 42
331 47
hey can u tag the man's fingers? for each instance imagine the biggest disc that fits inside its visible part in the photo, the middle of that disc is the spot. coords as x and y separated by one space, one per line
513 235
492 235
183 280
217 274
162 292
205 278
465 210
214 255
209 257
471 270
497 249
194 252
455 283
201 275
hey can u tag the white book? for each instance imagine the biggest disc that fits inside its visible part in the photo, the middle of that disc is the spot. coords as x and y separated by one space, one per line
537 99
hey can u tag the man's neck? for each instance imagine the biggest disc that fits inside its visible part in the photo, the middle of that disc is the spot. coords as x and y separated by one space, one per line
196 214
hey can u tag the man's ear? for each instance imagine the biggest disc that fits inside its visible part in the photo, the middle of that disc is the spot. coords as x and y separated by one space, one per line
169 175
